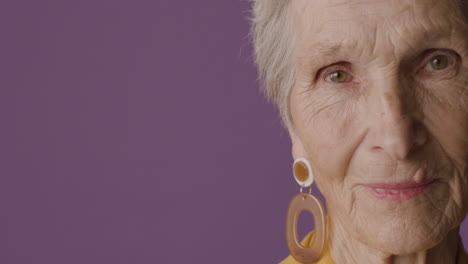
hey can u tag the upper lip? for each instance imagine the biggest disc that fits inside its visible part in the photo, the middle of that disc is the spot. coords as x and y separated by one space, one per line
398 185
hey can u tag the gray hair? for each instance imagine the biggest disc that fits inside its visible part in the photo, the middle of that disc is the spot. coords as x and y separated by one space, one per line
274 55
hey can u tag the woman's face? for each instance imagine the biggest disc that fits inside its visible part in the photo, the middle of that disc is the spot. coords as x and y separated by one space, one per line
380 109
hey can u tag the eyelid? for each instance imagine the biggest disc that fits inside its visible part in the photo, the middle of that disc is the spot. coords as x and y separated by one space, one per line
338 66
452 55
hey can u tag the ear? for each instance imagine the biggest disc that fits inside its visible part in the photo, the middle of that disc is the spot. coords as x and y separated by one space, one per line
298 150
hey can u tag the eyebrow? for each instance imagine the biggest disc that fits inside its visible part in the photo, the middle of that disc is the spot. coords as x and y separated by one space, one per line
317 55
322 49
320 52
328 49
433 36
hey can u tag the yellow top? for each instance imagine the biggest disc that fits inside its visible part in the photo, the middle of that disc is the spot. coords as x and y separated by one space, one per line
327 259
324 259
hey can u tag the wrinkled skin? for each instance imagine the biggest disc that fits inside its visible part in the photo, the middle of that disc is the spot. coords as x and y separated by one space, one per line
393 113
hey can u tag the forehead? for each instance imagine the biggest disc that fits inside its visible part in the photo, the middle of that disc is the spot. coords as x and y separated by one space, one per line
380 11
323 26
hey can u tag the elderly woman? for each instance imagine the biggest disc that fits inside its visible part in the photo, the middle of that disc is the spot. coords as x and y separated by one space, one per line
374 96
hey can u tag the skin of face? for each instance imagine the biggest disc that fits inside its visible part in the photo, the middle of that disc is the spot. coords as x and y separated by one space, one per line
381 98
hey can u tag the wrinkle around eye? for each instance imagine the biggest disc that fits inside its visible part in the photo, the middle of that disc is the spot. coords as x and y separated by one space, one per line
426 72
317 104
316 110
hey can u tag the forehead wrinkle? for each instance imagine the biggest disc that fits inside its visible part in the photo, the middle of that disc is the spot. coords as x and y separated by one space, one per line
333 50
329 49
353 3
425 34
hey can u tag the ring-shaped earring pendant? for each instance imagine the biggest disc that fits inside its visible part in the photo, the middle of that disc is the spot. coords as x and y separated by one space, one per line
305 202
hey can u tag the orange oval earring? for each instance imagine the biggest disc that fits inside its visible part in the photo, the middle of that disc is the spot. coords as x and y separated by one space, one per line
305 201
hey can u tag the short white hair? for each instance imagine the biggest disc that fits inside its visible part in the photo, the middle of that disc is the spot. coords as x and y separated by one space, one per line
274 55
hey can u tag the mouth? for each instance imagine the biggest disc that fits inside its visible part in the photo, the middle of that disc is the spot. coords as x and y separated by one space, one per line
399 191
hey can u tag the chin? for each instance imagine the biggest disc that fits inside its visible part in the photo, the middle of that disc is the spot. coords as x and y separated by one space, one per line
406 234
406 227
403 238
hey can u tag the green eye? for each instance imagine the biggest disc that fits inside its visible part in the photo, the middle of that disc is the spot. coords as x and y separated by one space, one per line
338 76
439 62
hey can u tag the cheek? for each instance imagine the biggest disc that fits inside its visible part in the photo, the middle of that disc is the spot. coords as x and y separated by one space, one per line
328 124
446 116
324 117
450 130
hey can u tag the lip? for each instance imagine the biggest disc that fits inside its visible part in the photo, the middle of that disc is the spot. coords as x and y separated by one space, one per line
398 191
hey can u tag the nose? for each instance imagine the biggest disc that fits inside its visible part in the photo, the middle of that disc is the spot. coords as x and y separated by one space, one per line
396 128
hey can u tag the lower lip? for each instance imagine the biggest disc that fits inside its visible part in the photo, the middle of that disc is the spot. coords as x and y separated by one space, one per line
399 194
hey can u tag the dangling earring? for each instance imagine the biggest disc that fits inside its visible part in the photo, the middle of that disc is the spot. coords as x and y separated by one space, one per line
305 201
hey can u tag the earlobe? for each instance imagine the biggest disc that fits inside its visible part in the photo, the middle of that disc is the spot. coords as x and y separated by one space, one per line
298 150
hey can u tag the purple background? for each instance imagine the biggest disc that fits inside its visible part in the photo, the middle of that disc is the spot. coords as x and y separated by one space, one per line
133 132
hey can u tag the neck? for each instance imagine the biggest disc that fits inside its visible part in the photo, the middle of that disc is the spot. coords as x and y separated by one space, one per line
346 249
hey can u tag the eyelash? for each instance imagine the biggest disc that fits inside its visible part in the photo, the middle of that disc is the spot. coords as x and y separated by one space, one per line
451 55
